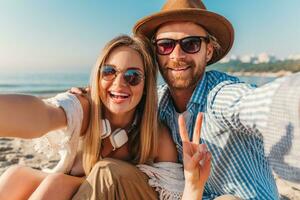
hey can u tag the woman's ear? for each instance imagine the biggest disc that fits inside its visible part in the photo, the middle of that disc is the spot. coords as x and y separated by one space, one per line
209 52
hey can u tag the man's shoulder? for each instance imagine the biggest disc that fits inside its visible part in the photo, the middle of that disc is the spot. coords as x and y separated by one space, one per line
227 92
217 77
162 91
163 95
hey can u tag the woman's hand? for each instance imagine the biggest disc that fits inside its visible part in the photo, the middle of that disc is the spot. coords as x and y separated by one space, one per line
196 160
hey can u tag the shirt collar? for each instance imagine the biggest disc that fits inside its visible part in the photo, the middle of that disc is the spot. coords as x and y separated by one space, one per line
165 99
198 96
200 93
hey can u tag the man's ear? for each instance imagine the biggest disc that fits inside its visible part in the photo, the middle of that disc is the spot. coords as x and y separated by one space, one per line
209 52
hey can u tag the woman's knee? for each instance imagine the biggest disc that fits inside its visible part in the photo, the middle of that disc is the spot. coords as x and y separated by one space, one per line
60 179
54 179
51 185
57 186
21 177
18 171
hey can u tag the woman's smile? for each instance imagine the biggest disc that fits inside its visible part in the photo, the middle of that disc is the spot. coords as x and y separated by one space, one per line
119 97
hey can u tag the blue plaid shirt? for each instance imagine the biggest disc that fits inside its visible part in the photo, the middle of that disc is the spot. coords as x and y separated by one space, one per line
234 115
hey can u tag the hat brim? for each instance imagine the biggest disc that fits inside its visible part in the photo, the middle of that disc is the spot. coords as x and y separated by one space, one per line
215 24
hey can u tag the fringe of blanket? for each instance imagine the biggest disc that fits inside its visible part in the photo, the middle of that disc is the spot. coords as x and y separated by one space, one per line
167 178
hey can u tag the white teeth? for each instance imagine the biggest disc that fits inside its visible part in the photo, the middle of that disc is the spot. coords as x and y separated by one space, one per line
180 68
119 94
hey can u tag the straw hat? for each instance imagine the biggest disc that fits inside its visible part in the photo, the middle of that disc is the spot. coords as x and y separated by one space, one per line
193 11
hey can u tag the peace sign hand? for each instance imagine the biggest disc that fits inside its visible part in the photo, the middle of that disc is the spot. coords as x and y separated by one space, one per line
196 158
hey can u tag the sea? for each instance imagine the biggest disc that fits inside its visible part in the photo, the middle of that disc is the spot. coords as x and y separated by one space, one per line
46 84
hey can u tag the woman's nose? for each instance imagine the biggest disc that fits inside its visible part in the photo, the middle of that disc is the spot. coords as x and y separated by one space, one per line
119 80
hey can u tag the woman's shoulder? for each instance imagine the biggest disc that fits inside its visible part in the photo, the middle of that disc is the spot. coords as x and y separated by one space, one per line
84 101
167 151
86 108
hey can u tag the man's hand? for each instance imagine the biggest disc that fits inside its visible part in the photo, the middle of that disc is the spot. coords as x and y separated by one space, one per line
79 90
196 160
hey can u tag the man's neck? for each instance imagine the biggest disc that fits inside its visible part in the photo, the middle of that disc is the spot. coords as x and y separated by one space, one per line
181 98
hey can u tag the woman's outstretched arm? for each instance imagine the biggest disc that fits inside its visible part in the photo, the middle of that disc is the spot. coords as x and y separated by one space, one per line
27 116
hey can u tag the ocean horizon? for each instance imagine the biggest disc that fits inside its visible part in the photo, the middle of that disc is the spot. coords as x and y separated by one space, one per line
45 84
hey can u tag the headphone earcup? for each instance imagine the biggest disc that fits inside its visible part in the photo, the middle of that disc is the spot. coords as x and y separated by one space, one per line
118 130
118 138
106 129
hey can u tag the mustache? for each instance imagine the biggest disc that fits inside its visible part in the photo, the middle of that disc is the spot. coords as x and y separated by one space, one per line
177 64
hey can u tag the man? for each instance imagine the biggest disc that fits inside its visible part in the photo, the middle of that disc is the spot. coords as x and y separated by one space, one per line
187 38
240 126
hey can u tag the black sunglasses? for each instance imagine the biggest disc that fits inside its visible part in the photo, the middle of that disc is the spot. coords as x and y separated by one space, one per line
132 76
191 44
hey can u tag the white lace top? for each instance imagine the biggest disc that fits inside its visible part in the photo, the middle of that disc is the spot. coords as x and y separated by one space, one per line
64 141
167 178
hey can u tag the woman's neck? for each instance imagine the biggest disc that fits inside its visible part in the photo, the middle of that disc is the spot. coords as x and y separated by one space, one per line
120 120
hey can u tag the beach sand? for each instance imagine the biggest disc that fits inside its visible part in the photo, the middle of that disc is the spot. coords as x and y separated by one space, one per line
17 151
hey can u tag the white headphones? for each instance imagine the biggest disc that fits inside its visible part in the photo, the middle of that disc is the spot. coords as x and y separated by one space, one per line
119 137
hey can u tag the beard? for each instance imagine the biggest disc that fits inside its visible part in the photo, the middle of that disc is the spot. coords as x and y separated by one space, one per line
185 79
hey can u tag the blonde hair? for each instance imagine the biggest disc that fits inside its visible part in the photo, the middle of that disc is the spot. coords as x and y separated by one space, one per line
215 44
143 144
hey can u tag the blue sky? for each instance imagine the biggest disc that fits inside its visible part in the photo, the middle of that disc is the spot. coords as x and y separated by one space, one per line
54 35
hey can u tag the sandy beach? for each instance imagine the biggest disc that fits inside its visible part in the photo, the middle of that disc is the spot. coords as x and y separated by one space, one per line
17 151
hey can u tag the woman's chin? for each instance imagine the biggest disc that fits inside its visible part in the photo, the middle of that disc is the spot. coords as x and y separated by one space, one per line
119 100
120 107
121 110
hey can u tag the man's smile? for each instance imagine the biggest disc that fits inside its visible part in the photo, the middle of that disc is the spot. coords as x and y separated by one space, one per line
183 68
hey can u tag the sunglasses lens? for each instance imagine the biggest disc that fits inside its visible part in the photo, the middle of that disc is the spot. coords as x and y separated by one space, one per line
190 44
133 77
108 73
165 46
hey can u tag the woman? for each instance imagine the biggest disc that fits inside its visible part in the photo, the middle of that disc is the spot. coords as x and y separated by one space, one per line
122 109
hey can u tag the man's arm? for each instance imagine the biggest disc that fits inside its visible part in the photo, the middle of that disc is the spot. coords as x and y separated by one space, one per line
242 107
282 132
271 112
